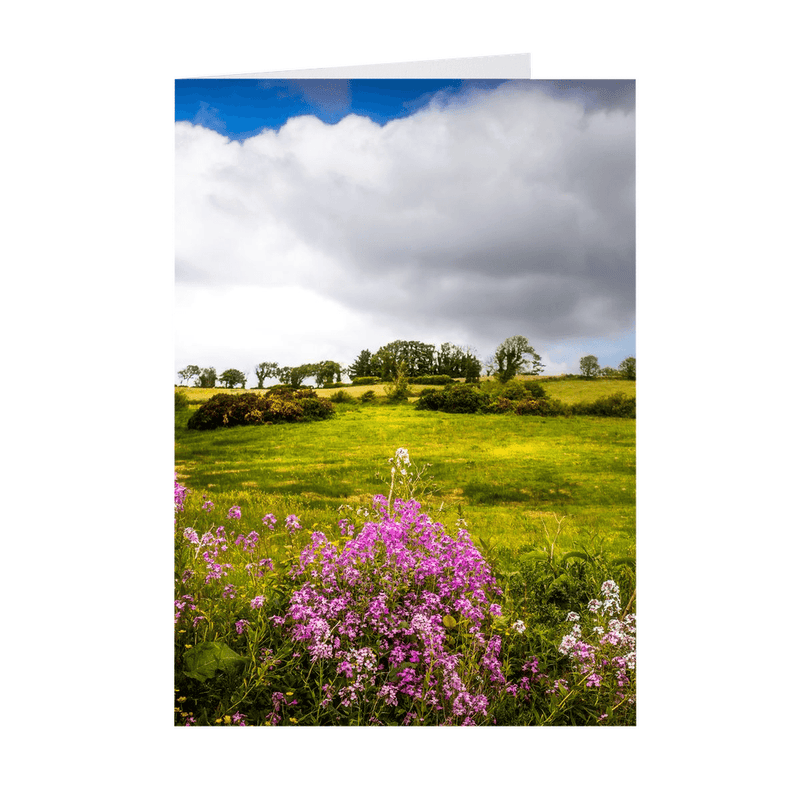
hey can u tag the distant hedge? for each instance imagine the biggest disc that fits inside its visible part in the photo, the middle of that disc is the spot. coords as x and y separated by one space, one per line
369 380
432 380
518 397
615 405
277 405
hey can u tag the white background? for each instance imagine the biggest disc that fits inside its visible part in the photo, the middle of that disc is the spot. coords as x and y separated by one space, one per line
88 140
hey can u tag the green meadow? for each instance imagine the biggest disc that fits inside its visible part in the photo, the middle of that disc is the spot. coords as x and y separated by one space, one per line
512 478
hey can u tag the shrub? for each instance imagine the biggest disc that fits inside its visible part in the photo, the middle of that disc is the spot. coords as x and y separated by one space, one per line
502 405
368 380
397 391
544 407
615 405
181 400
514 390
277 405
368 396
492 397
458 398
316 407
430 400
535 389
342 397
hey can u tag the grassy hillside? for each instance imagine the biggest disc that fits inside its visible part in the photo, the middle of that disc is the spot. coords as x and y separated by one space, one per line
508 476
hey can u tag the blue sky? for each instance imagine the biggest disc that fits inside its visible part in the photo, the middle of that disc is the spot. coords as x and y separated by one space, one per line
243 108
373 210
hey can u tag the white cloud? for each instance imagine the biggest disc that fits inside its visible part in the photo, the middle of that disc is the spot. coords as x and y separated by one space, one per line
498 213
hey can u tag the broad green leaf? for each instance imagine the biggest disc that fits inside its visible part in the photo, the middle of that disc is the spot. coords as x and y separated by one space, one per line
576 554
207 658
448 621
537 555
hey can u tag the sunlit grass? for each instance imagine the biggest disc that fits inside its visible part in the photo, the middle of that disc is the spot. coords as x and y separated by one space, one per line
505 474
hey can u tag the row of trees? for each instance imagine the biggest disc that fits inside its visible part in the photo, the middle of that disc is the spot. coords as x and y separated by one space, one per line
408 359
323 372
416 359
590 368
207 378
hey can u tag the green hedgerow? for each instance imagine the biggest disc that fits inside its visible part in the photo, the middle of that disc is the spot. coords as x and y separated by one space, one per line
277 405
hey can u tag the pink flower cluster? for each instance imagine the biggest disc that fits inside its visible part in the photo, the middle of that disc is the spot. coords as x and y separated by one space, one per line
377 611
180 494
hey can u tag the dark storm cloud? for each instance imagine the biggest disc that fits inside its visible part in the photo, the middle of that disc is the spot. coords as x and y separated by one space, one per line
594 95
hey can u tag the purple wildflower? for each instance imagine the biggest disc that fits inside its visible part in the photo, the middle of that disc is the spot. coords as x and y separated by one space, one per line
180 494
293 523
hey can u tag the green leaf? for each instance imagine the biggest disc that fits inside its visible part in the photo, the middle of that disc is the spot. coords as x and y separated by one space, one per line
537 555
207 658
576 554
631 562
448 621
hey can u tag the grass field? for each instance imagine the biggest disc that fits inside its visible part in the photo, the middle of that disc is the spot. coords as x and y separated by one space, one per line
506 475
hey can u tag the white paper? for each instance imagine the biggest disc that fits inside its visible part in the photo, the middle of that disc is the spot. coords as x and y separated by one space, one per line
508 66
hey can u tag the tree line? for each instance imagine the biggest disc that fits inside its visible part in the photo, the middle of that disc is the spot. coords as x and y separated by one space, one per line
590 368
408 360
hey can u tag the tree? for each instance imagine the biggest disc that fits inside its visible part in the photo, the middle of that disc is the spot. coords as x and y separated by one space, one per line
232 377
207 379
295 376
628 368
590 366
472 368
361 366
397 390
457 362
328 372
418 357
192 371
510 359
264 370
